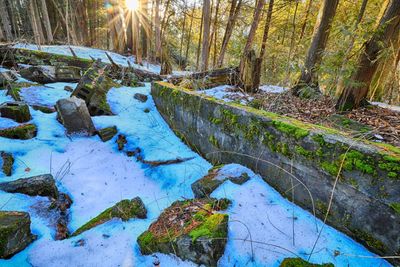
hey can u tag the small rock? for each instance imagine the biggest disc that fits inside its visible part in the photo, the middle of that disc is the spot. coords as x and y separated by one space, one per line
8 161
80 243
108 133
41 185
121 141
23 132
74 115
296 262
215 177
125 210
44 109
68 88
17 111
133 153
15 232
141 97
62 229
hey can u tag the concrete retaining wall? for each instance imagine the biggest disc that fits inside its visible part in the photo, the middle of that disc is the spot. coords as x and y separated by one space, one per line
286 152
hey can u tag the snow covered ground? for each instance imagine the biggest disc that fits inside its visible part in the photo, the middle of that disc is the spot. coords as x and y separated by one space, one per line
96 175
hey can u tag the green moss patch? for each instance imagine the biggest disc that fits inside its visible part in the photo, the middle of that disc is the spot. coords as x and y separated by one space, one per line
8 162
23 132
298 262
125 210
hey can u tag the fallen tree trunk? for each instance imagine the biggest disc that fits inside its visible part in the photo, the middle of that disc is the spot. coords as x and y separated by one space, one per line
207 79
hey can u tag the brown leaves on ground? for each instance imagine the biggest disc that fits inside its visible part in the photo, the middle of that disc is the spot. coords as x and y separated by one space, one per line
384 122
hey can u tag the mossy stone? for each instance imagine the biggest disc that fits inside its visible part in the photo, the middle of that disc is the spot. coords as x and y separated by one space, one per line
298 262
23 132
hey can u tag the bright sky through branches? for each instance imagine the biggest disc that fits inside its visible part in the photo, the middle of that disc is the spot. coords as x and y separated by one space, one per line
132 4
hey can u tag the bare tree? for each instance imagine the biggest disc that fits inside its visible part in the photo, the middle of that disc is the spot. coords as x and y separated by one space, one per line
5 20
385 35
46 21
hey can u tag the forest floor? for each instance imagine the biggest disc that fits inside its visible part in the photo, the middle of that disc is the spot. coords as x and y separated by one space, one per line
380 124
264 227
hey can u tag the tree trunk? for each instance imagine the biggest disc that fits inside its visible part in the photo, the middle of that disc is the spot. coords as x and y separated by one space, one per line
205 52
180 61
46 21
5 20
308 78
233 14
304 25
215 33
200 41
190 33
340 82
157 25
249 68
388 29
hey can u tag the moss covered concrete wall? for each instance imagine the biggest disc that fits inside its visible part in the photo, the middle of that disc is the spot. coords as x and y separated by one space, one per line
290 154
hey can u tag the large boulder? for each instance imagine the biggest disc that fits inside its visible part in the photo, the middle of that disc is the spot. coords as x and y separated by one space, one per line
93 88
49 74
23 132
7 163
125 210
192 230
17 111
74 115
15 232
217 176
41 185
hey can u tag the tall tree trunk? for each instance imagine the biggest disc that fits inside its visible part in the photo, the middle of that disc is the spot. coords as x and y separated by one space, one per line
386 34
304 25
214 34
46 21
249 68
200 41
291 47
157 26
256 20
5 20
340 82
190 33
205 51
183 35
309 78
233 14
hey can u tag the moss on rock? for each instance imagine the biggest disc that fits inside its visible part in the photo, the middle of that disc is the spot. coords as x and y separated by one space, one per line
8 162
298 262
125 210
23 132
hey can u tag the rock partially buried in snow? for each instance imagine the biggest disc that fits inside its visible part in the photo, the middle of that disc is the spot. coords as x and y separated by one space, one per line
108 133
17 111
41 185
125 210
47 74
74 115
298 262
192 230
7 164
141 97
15 232
23 132
215 177
93 88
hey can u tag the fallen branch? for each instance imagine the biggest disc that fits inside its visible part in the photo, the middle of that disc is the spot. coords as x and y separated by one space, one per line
166 162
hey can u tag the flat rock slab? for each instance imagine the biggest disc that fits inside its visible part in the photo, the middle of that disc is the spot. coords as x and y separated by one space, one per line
125 210
22 132
215 177
48 74
74 115
41 185
15 232
17 111
192 230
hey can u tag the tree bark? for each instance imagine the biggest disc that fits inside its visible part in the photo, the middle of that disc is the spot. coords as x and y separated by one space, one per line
304 25
205 52
5 20
46 21
157 25
322 28
340 82
190 33
386 33
233 14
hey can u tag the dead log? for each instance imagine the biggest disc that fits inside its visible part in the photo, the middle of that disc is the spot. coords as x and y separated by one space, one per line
207 79
165 162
